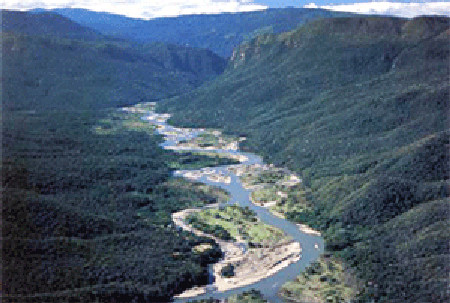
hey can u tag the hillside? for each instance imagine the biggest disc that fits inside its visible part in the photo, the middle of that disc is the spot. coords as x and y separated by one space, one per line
50 62
359 107
218 32
45 24
87 192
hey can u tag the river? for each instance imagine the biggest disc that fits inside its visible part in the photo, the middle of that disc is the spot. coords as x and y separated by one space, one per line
312 245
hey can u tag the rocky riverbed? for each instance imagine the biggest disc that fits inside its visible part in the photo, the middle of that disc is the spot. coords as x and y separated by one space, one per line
264 267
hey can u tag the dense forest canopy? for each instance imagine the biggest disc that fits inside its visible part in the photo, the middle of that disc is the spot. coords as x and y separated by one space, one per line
359 107
46 57
87 192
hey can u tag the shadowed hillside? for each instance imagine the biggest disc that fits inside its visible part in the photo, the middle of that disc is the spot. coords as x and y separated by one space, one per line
359 107
48 24
43 68
87 192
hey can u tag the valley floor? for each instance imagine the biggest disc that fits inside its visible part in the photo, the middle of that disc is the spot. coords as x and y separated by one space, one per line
252 249
251 265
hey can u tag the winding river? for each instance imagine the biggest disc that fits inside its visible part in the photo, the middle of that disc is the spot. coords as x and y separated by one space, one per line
312 245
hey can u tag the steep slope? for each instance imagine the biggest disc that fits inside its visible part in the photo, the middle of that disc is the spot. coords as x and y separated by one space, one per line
86 215
219 32
359 107
45 24
56 62
86 190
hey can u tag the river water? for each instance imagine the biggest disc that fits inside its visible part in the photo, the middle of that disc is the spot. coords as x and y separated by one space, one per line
269 286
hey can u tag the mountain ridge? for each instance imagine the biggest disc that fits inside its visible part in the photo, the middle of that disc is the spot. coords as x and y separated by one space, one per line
46 23
122 72
217 32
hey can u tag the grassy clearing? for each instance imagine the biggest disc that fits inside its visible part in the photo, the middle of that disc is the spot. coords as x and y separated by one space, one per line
252 296
265 195
177 194
268 175
212 139
119 120
277 188
238 223
188 160
325 280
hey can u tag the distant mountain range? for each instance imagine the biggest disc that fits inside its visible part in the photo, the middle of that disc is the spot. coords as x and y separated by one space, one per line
218 32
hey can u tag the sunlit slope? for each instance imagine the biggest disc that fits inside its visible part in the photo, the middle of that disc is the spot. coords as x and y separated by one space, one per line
360 108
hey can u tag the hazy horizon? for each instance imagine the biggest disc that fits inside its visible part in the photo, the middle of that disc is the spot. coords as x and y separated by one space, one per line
143 10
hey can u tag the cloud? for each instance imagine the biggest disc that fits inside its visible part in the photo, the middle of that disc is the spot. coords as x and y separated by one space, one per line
144 9
407 10
148 9
311 5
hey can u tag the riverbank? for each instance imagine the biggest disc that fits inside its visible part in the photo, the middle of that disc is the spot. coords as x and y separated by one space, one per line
250 264
273 188
325 280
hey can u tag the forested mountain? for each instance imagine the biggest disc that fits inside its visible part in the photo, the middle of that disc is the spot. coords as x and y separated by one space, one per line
50 61
357 106
360 108
217 32
87 192
45 23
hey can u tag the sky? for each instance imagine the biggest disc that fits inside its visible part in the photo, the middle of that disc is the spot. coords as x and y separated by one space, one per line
148 9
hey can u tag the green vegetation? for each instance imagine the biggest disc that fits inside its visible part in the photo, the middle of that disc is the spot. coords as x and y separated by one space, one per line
227 271
277 188
212 139
325 280
235 222
87 192
216 230
252 296
217 32
269 176
188 160
265 195
295 199
98 203
46 24
63 66
359 108
116 121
